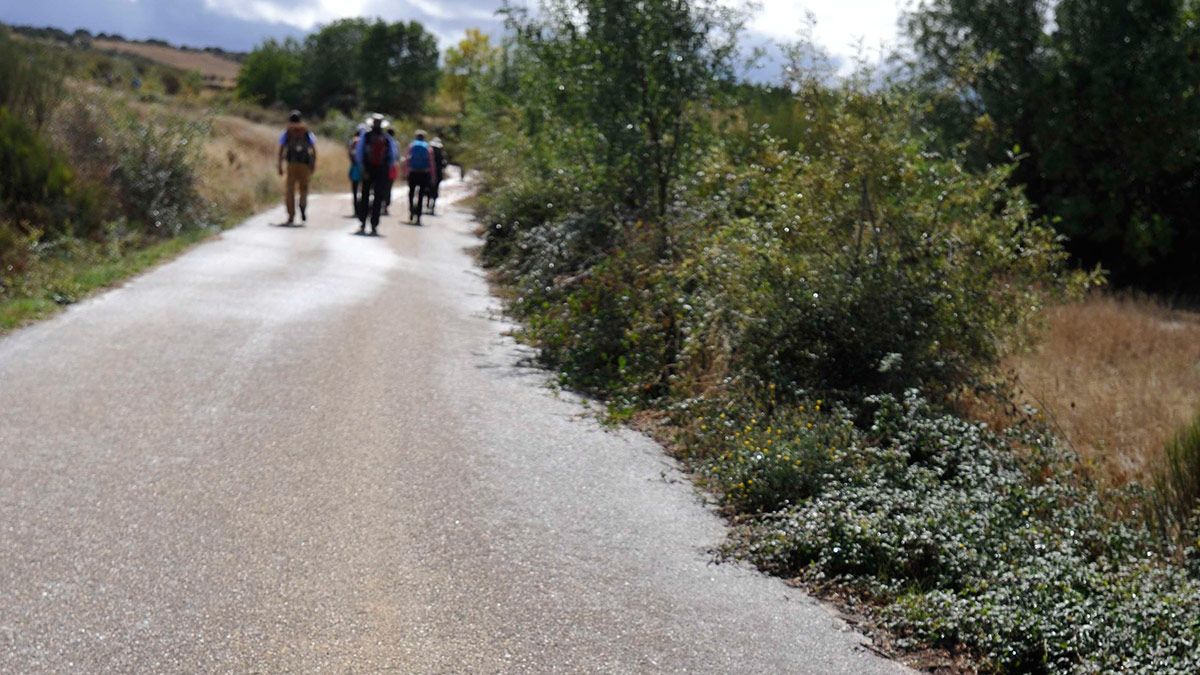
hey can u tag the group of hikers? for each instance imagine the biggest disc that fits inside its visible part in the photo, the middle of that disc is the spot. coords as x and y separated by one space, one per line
376 161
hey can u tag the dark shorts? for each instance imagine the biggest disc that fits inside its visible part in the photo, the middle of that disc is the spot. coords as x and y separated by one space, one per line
418 179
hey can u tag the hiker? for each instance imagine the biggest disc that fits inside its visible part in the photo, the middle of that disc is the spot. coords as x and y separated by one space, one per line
375 154
419 165
355 167
440 162
297 146
394 168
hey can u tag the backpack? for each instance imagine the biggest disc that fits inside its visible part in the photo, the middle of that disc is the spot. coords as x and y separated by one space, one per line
299 146
418 156
376 154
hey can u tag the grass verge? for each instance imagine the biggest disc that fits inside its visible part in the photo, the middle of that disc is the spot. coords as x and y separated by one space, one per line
57 281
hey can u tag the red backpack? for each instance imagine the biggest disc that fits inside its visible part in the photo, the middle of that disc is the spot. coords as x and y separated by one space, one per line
376 155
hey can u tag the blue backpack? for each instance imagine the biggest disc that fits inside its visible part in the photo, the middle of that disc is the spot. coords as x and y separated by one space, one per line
418 156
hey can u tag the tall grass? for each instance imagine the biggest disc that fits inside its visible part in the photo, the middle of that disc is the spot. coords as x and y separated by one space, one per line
1177 483
1117 376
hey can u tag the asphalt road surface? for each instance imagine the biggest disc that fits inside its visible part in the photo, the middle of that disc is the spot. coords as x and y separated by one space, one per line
301 450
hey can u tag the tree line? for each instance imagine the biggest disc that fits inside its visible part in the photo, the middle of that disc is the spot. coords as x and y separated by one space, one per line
348 65
82 36
1097 102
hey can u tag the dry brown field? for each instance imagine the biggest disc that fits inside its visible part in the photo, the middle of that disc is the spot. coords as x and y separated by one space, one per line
239 171
1118 377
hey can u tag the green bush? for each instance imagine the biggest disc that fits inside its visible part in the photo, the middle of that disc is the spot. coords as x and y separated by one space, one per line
31 79
861 263
35 186
858 263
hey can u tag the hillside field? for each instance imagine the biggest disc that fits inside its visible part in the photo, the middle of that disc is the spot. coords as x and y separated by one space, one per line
217 71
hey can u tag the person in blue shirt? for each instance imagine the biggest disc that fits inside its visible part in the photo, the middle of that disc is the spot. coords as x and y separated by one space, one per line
376 155
298 147
419 164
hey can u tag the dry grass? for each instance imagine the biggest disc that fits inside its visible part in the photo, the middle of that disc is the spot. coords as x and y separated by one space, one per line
240 166
1119 377
218 70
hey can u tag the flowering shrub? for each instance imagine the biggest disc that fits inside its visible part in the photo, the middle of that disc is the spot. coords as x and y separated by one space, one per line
970 542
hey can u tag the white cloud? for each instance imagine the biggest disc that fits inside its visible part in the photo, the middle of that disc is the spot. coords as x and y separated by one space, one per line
841 25
445 21
302 14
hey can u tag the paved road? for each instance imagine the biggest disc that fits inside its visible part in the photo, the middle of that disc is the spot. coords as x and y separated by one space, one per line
299 450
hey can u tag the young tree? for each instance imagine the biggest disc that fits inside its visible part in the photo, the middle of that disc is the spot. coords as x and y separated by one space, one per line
466 62
639 74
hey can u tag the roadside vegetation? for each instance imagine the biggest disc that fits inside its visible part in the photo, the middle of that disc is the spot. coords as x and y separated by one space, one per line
103 179
119 154
816 289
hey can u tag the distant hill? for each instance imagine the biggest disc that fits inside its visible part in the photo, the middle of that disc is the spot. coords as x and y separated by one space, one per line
217 70
218 67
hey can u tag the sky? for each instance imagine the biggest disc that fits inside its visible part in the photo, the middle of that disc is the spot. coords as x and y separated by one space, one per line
841 25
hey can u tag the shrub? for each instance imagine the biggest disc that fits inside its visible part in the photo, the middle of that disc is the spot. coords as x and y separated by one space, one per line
31 79
16 248
857 263
148 161
806 311
35 185
862 263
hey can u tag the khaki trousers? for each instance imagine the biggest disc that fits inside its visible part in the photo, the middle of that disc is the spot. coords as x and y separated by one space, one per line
297 177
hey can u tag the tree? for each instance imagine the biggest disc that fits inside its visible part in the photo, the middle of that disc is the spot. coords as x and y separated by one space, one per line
397 66
330 66
271 73
618 96
1120 151
991 55
466 62
1103 107
639 75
